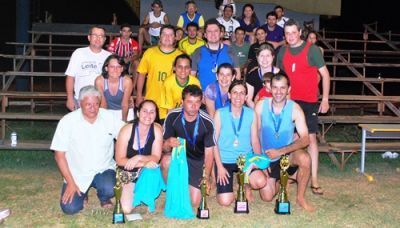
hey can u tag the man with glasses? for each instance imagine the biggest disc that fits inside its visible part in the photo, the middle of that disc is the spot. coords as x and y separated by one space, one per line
85 65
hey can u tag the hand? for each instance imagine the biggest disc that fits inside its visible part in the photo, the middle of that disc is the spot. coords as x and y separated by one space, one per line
139 99
223 176
324 106
151 165
272 153
132 163
173 142
155 25
70 104
69 193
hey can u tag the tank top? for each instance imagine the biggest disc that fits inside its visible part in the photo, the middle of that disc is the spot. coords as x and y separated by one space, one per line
114 101
130 152
268 128
153 18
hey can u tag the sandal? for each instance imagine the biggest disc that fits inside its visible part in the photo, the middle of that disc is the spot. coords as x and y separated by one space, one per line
317 190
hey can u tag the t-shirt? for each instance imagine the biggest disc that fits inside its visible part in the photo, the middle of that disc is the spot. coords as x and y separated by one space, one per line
85 65
220 100
230 26
88 147
276 35
241 52
184 20
254 78
127 49
173 91
157 65
173 127
263 93
153 18
187 47
249 27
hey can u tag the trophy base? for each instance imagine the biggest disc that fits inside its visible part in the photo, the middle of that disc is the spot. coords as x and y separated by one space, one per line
282 208
241 207
203 214
118 218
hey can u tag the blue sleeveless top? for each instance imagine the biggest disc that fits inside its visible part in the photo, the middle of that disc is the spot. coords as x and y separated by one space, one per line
114 101
186 19
208 60
227 151
286 130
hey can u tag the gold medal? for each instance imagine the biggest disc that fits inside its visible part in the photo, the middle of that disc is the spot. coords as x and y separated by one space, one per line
236 143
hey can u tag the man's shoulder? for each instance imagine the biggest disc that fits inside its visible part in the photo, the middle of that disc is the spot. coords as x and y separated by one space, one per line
172 115
207 118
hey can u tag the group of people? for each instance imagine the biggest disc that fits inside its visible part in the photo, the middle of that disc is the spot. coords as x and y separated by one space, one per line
200 92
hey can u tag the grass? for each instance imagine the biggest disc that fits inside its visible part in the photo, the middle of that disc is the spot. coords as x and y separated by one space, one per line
30 185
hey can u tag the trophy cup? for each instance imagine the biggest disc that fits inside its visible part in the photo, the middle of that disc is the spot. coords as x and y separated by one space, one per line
282 205
118 214
241 203
202 211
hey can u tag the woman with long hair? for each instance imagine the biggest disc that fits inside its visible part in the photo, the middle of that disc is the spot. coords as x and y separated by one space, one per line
249 22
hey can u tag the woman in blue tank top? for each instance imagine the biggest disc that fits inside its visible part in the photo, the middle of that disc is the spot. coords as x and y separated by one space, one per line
138 145
115 88
236 134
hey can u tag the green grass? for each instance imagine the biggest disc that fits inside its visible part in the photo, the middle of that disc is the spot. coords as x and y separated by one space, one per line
30 185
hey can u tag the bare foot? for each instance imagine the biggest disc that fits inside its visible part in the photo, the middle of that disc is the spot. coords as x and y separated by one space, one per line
106 204
86 201
306 206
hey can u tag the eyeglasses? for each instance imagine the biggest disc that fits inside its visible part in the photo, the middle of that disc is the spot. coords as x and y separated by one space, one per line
114 67
98 36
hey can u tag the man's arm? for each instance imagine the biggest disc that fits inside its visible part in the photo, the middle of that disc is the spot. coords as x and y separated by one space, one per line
71 188
69 87
324 106
139 88
302 131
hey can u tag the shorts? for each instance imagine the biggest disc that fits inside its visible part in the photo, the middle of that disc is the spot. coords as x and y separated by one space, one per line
231 168
311 114
195 168
154 40
274 170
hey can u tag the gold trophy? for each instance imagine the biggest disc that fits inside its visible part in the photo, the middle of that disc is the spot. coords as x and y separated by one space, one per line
241 203
118 214
202 211
282 205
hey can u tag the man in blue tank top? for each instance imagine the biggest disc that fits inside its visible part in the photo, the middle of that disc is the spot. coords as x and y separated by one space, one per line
277 117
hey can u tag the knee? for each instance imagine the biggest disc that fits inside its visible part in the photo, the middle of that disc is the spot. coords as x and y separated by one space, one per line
304 160
225 201
71 208
266 197
106 191
258 183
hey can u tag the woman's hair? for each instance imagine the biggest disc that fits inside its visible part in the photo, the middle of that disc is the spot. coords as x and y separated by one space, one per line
136 120
266 46
253 16
120 61
235 83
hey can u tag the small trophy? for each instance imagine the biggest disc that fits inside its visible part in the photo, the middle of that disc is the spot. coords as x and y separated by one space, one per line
202 211
282 205
241 204
118 214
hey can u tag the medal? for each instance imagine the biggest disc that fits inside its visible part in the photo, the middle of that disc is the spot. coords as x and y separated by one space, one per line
236 142
276 135
277 119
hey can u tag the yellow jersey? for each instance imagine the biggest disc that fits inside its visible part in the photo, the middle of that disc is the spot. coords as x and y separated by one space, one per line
173 91
157 65
187 47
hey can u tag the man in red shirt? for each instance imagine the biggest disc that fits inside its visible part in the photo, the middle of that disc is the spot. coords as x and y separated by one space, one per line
302 61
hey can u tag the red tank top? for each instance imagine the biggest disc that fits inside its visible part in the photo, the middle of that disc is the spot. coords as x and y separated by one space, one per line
303 77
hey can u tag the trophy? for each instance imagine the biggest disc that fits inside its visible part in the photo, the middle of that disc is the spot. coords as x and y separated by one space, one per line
118 214
202 211
241 204
282 205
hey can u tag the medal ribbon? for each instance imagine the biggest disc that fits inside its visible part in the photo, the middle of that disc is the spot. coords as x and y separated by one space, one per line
141 150
192 141
236 132
277 123
219 96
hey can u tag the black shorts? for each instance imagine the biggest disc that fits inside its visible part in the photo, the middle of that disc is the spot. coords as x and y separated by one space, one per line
274 170
195 168
231 168
311 114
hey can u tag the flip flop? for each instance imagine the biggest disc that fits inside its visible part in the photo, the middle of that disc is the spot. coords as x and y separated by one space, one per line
317 190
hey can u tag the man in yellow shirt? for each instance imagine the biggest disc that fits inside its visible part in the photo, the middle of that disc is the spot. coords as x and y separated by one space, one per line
156 65
191 42
174 85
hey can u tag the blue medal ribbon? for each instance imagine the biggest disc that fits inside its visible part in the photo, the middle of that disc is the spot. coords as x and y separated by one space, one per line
141 150
192 141
215 63
277 119
219 97
236 132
